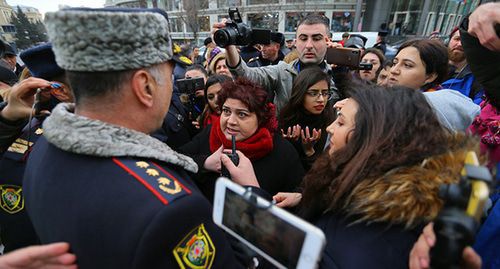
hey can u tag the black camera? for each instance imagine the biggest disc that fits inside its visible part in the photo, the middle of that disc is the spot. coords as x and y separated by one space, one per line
187 89
238 33
458 221
234 158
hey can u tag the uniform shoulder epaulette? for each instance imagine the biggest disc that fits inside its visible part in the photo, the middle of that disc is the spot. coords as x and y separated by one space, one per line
161 181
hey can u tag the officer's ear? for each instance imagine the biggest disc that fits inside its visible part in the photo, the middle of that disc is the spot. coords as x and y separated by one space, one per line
143 87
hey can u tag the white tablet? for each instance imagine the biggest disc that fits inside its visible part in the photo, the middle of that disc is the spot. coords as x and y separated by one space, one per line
277 235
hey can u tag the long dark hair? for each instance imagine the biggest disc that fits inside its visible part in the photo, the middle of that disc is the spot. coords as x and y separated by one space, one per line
293 112
434 55
394 127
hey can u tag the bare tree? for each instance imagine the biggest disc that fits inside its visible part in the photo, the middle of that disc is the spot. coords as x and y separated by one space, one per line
193 15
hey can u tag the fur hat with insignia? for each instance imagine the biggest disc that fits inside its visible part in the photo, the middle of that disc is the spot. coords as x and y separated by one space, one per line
109 39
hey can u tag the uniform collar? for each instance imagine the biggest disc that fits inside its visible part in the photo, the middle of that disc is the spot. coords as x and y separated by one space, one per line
81 135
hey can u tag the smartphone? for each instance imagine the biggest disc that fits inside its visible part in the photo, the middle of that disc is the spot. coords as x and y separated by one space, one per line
344 57
190 85
280 237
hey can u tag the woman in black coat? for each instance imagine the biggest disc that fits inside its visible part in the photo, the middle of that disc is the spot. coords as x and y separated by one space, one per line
303 120
246 116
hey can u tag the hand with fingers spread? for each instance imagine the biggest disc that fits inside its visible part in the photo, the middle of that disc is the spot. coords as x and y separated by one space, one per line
293 133
212 163
53 256
309 139
420 257
482 25
21 99
242 174
287 199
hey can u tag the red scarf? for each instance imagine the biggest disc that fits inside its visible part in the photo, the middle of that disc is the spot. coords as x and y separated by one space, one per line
255 147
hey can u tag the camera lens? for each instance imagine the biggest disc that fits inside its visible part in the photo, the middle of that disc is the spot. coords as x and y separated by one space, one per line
222 38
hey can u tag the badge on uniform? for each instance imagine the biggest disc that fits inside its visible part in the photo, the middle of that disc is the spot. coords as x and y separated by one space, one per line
12 198
195 250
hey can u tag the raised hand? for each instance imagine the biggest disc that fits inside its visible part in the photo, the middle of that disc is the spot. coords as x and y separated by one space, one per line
309 140
292 133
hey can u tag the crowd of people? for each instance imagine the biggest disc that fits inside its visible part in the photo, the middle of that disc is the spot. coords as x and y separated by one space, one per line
112 138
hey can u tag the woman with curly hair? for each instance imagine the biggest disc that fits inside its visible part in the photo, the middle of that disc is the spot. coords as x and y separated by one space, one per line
246 116
378 185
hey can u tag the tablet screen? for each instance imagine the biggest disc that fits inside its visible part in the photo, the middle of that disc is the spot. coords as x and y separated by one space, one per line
274 236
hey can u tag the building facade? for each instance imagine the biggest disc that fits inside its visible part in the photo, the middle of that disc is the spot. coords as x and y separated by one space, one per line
31 13
8 30
401 18
416 17
278 15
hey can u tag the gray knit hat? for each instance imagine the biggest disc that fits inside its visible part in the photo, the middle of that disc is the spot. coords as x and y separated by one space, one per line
108 39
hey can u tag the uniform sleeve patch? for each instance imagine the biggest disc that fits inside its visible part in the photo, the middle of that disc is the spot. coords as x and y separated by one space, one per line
195 250
11 198
155 178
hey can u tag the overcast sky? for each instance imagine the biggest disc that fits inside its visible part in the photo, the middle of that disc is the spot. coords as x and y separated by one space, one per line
53 5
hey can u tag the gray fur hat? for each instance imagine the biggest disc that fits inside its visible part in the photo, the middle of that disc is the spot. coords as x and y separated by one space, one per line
96 40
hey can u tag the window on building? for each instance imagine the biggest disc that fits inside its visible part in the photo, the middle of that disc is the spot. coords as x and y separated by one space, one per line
342 21
264 20
262 2
202 4
176 24
9 28
204 22
293 19
172 5
228 3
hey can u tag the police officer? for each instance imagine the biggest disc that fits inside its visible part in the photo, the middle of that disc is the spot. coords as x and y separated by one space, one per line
96 180
16 230
271 53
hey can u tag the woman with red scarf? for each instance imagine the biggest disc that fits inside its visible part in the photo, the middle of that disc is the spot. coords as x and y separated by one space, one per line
246 116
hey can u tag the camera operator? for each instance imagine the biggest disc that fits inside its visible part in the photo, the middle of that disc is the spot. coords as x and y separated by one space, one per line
271 53
420 258
312 42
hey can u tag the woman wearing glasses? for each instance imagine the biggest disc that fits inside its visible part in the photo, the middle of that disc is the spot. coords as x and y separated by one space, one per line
304 118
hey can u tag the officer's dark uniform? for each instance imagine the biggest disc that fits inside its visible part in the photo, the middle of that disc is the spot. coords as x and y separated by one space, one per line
16 230
122 212
259 61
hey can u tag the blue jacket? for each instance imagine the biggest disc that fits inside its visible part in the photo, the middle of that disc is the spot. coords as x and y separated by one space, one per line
465 83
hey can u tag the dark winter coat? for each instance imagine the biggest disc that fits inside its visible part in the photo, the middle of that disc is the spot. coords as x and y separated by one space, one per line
383 217
279 171
120 198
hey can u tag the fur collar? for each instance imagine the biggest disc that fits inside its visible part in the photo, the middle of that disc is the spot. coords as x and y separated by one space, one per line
409 195
81 135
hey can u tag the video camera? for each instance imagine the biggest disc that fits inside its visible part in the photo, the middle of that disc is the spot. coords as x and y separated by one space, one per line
458 221
238 33
187 89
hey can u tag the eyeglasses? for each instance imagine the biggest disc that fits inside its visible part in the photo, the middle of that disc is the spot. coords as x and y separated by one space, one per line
316 94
